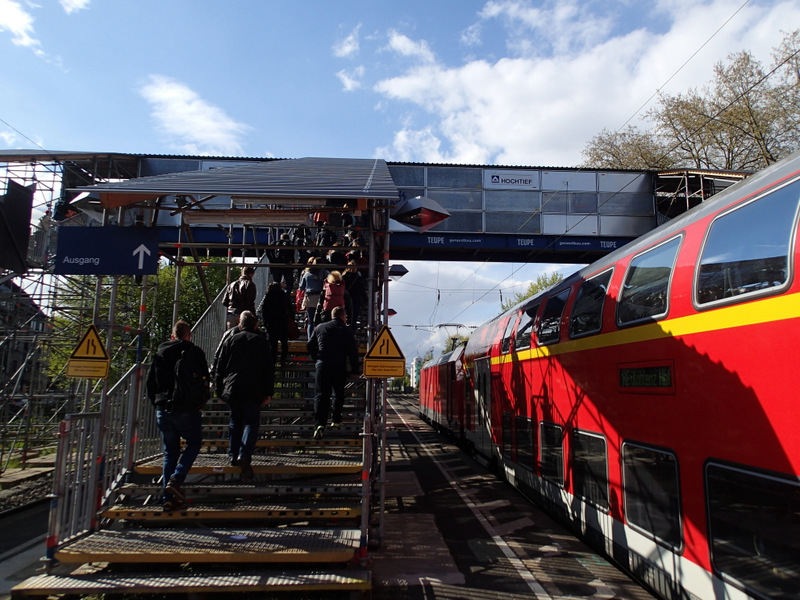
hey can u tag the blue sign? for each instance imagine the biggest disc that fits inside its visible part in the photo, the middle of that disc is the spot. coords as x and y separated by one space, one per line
107 251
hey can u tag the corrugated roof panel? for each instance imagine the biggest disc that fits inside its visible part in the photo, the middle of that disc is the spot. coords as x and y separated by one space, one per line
292 178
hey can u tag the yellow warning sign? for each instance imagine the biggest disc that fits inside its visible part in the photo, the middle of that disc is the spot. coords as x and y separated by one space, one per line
89 359
384 357
384 346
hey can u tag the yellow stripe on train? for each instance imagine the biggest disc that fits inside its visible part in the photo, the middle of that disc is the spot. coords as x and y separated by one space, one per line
768 310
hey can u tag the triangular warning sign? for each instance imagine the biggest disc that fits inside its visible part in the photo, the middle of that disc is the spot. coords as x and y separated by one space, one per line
384 346
91 346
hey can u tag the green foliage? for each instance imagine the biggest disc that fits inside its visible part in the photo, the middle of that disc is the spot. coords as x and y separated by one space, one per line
541 283
745 119
454 342
192 299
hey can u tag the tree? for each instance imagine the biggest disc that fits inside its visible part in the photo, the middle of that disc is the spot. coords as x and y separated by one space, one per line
192 302
453 342
534 287
745 120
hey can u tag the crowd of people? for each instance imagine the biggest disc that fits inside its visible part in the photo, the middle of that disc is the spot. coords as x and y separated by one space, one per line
331 292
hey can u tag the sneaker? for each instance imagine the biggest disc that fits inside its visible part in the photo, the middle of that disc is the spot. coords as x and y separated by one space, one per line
318 432
174 489
336 425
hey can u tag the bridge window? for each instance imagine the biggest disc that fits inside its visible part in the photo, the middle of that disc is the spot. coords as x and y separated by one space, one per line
587 312
455 177
754 530
458 199
408 176
645 292
590 468
747 250
626 204
552 459
513 200
523 338
652 493
585 202
513 222
554 202
550 323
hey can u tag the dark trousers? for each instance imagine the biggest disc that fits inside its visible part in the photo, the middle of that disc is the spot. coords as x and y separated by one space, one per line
174 426
328 380
245 419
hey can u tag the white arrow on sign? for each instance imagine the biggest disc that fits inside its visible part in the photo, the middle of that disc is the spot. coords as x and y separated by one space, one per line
141 250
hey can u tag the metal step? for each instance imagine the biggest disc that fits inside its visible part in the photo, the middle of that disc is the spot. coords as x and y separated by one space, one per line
303 488
213 546
240 510
194 582
317 463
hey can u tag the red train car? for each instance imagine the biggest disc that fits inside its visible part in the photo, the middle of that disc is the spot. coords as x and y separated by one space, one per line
441 390
651 401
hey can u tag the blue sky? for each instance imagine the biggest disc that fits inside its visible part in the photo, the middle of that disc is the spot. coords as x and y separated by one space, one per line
505 82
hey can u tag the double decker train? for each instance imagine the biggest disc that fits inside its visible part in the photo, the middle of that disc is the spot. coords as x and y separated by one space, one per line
650 400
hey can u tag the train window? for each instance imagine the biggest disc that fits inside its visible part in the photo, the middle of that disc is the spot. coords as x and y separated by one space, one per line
590 468
524 432
550 323
652 494
646 288
754 530
525 326
747 250
552 459
587 312
507 435
505 345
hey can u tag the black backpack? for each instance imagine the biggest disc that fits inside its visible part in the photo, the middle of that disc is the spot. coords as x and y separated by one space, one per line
191 390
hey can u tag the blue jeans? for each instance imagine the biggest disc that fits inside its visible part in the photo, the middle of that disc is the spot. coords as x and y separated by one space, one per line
245 419
327 380
174 426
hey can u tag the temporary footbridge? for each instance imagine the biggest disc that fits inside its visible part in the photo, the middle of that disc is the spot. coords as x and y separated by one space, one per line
308 519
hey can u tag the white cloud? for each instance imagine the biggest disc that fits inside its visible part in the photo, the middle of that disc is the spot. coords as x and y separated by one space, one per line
349 46
351 78
19 22
462 293
9 138
71 6
191 124
405 46
568 77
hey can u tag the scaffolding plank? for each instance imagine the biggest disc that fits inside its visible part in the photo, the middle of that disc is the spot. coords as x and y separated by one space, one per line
234 510
194 582
316 463
213 546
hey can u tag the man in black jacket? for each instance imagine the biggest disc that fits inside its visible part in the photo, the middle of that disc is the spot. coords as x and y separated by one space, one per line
330 346
244 379
175 421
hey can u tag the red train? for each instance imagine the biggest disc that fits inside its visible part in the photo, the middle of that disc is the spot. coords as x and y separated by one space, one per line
651 401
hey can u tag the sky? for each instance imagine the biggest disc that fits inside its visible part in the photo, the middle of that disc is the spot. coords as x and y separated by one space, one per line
494 82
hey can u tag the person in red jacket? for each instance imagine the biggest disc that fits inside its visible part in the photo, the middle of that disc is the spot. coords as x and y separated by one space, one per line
333 295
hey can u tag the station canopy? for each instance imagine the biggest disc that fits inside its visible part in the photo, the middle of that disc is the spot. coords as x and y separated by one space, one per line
306 181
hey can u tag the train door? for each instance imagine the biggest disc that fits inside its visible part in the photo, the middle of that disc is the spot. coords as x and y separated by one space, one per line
482 394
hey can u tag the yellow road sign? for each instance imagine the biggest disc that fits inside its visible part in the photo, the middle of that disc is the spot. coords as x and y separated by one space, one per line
91 346
384 357
384 346
89 359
